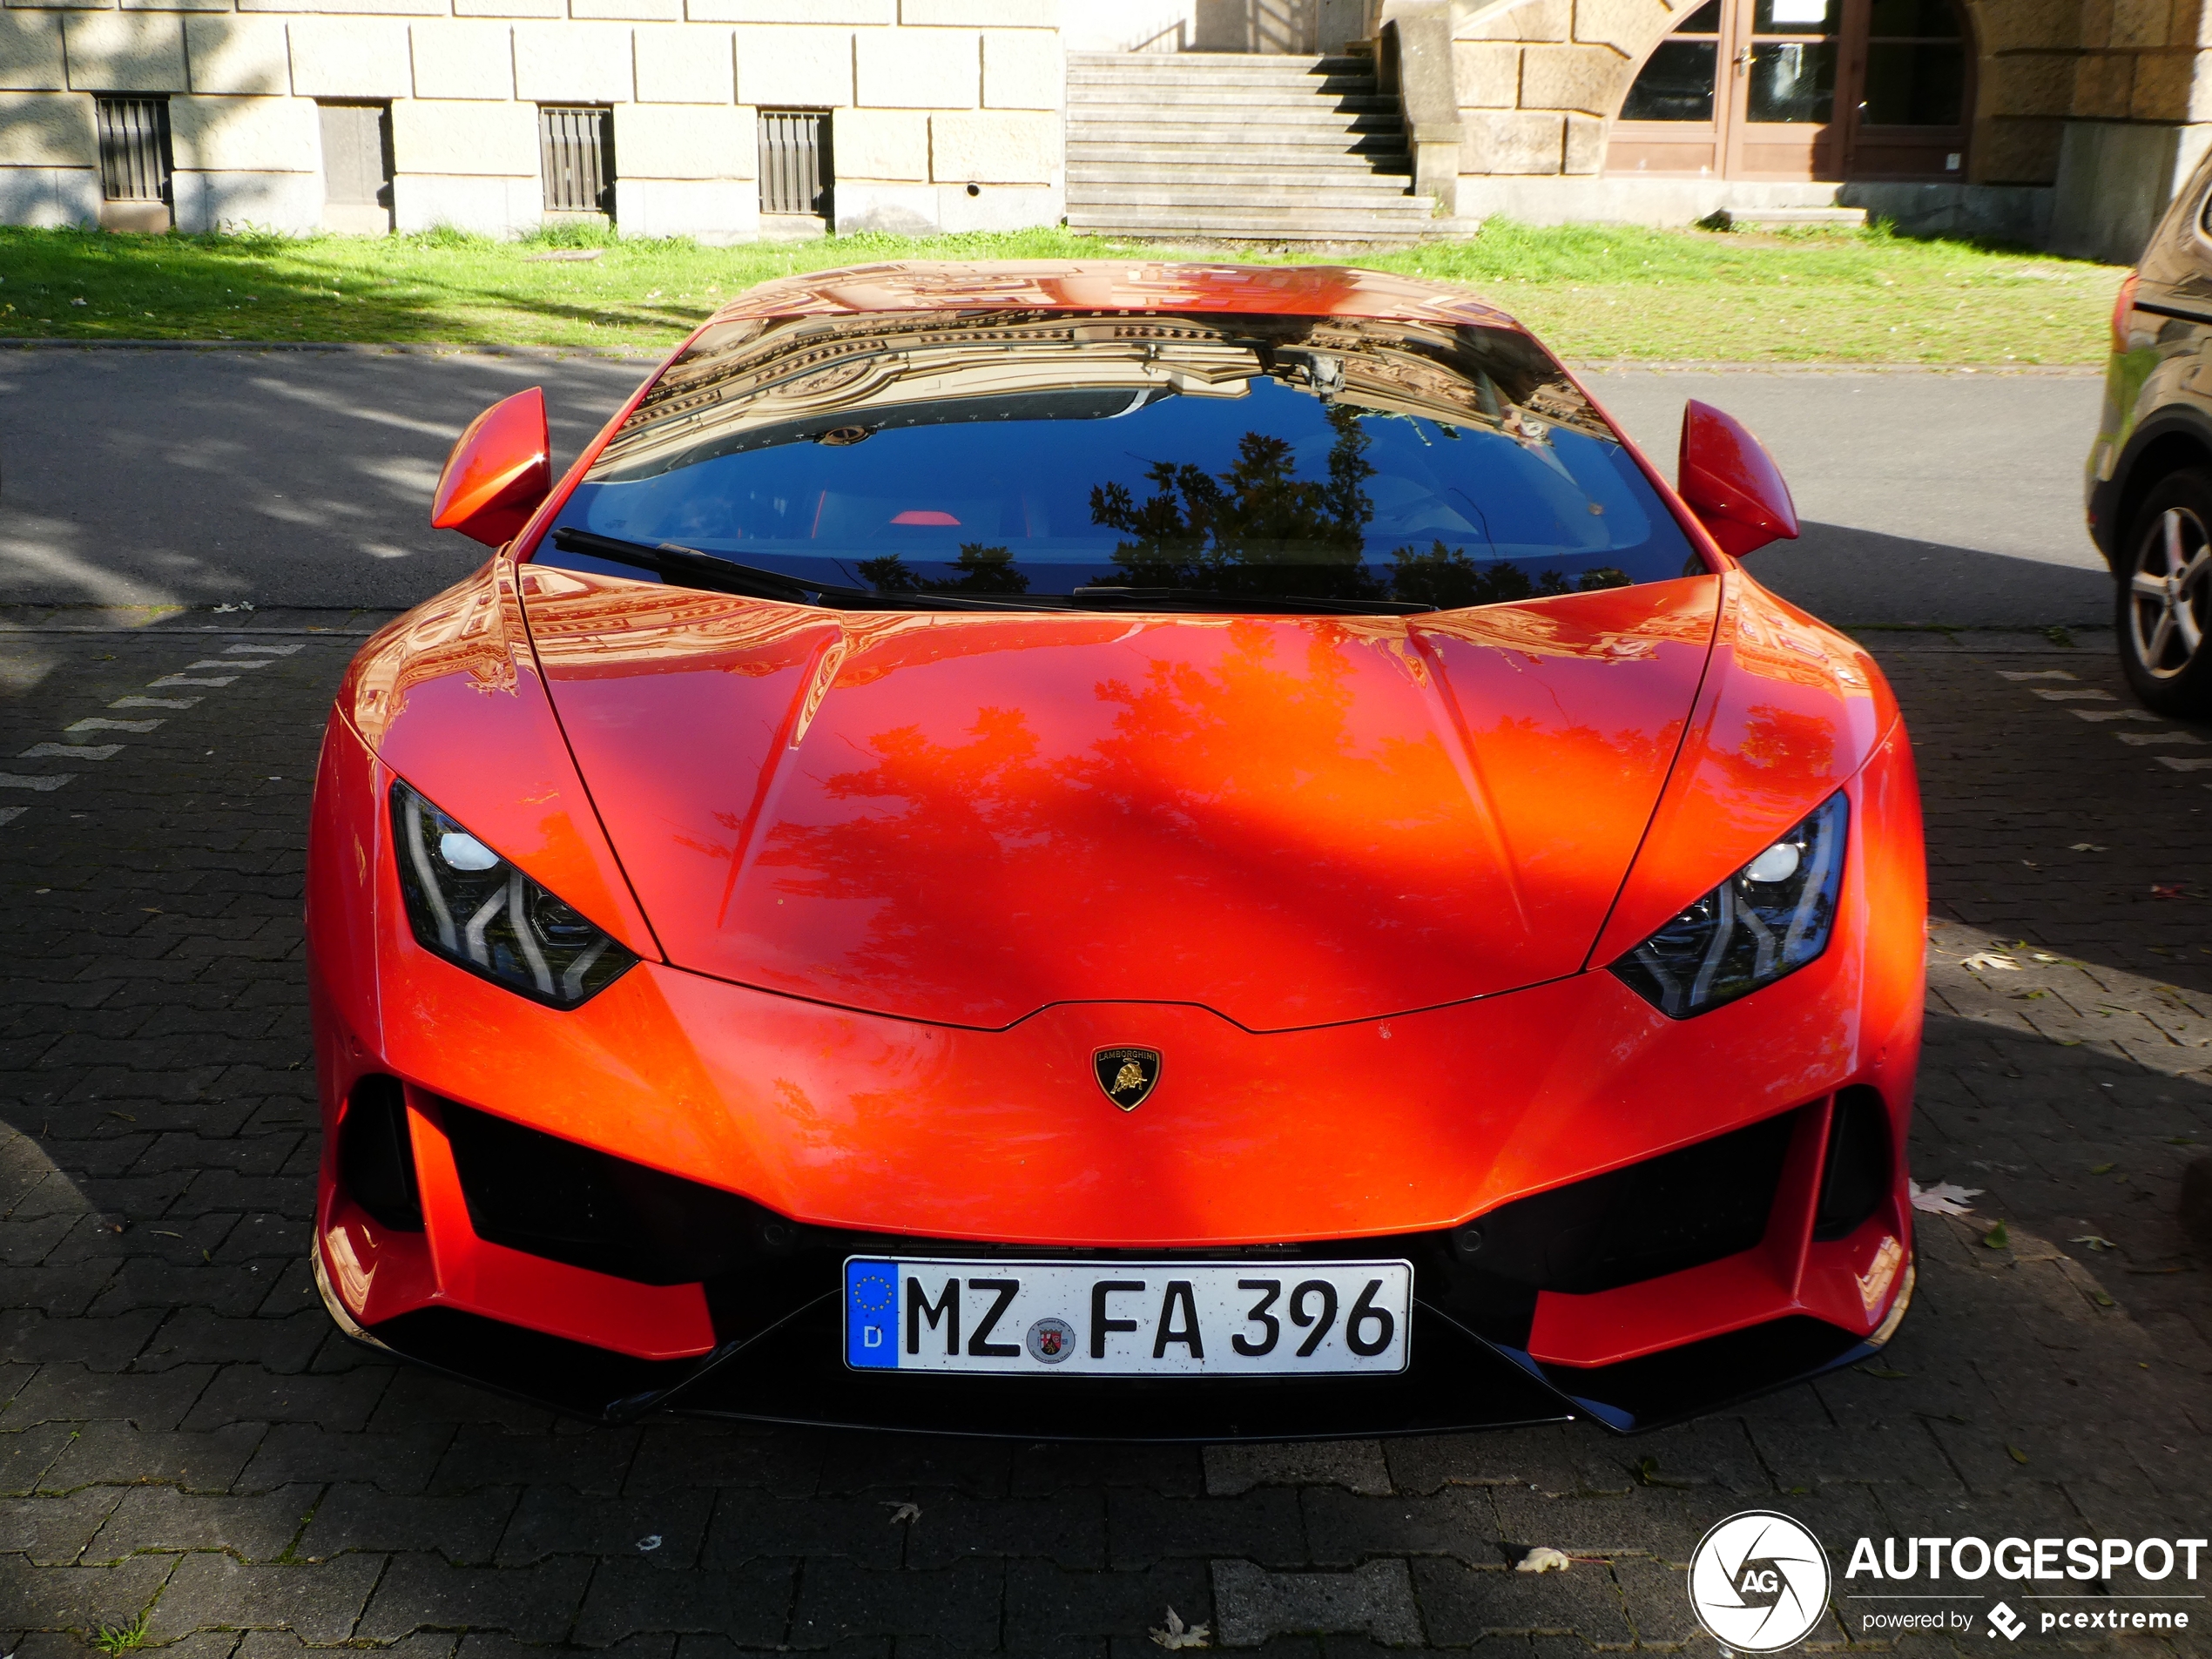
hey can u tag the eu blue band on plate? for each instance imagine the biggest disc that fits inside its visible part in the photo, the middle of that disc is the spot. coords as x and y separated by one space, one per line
872 1315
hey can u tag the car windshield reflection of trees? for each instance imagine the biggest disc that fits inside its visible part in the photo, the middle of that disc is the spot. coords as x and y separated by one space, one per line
1259 487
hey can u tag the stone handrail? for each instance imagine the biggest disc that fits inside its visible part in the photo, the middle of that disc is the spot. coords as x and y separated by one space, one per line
1414 59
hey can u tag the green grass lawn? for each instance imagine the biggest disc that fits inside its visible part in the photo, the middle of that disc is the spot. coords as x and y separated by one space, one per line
1590 291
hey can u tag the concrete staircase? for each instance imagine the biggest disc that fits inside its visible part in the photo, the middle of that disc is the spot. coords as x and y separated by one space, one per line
1239 148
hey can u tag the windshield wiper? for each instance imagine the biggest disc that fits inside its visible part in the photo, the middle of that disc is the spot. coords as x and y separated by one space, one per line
1254 603
690 567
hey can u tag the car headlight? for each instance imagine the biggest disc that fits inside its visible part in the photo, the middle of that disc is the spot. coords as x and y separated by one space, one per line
479 912
1770 918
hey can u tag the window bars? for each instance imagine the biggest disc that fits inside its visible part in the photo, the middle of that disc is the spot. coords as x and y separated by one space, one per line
795 174
577 149
134 149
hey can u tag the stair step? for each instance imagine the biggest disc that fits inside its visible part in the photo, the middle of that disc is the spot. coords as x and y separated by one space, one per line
1183 230
1287 197
1276 117
1229 97
1308 220
1283 63
1352 177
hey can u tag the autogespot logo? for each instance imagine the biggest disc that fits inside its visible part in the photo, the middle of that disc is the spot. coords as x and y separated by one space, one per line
1758 1582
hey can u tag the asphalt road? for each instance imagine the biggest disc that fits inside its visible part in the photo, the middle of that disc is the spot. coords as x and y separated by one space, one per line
303 478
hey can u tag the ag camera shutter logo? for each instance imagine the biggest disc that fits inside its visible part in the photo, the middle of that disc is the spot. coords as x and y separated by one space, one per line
1758 1582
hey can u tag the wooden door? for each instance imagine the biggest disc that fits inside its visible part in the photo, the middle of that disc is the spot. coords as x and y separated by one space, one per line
1781 90
1803 90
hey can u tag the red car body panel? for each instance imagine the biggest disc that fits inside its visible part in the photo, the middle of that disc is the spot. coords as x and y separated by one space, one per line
894 877
963 818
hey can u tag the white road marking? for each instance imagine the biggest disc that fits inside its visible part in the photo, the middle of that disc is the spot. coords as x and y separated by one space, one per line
153 702
2186 763
70 752
110 725
2138 738
274 650
216 662
2033 674
2111 714
52 781
186 679
9 814
2043 691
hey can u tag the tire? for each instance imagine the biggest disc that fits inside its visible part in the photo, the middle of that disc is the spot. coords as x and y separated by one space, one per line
2163 602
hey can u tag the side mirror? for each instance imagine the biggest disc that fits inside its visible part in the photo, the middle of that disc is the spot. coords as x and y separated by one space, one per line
498 473
1731 483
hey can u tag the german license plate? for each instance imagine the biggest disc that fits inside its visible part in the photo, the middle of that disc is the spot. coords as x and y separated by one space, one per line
1127 1318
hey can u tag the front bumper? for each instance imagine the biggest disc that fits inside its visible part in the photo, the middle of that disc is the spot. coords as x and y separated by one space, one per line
844 1129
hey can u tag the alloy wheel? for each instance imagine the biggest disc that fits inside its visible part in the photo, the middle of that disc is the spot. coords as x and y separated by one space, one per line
2170 594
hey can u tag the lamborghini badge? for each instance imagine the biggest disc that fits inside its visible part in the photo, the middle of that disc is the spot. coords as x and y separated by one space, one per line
1127 1074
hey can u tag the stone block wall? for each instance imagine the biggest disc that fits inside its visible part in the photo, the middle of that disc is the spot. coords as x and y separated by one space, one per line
946 114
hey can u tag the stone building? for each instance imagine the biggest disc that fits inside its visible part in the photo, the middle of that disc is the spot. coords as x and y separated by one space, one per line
2064 122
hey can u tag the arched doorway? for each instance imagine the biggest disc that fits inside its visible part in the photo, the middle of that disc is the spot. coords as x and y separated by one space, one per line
1803 90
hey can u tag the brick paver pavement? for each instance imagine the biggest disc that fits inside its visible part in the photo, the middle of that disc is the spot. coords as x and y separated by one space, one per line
192 1458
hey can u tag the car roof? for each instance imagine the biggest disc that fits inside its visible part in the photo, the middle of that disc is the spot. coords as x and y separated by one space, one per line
1114 285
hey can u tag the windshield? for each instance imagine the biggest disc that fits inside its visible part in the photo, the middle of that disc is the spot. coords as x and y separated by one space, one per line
1068 458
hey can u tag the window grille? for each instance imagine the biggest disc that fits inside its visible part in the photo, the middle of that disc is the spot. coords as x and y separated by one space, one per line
577 146
357 154
795 174
134 149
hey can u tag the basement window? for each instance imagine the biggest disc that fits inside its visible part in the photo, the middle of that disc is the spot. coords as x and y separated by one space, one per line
577 148
795 171
357 167
137 186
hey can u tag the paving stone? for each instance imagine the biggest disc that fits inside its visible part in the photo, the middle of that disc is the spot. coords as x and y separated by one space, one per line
119 1452
80 1598
1356 1465
259 1527
320 1603
247 1394
282 1644
753 1526
1262 1526
1042 1596
592 1462
552 1521
1069 1528
1342 1528
1461 1604
52 1532
422 1592
1252 1604
26 1454
749 1605
673 1454
398 1462
354 1515
958 1605
74 1393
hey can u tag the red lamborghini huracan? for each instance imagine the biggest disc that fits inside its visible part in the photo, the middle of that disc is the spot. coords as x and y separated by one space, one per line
1115 849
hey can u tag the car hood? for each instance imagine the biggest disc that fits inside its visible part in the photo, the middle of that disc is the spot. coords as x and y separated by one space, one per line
964 818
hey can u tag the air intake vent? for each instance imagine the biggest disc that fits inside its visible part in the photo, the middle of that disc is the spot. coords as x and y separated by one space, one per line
1856 1174
376 1157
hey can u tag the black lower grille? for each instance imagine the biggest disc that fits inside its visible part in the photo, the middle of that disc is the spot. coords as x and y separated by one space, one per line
1681 1209
536 1192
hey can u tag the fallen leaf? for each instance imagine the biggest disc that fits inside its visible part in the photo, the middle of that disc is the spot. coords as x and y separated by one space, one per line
1989 959
1996 1237
2044 956
2102 1300
1944 1198
2103 1169
1176 1635
2094 1242
2016 1454
901 1511
2087 847
1542 1559
649 1543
